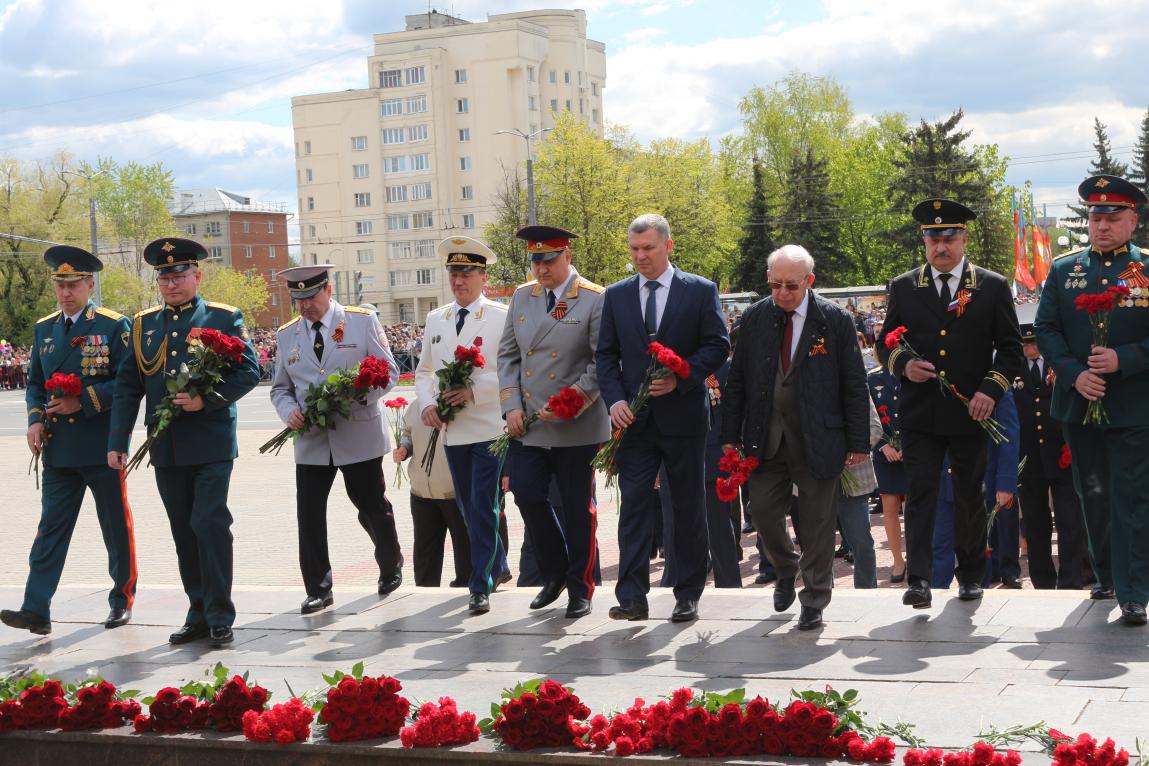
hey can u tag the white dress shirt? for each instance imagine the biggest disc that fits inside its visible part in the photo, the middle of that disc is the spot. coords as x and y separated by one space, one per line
660 295
955 277
799 322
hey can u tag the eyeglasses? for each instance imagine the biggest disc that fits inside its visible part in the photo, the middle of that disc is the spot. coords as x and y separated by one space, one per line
175 279
792 287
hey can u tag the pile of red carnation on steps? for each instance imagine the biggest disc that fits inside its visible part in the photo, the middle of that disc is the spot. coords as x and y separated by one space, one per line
40 703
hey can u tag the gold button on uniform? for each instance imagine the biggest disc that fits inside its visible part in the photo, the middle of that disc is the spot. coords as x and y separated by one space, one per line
530 353
174 353
942 352
1041 440
71 420
175 334
55 419
554 354
1039 426
527 395
529 373
942 333
1109 263
1105 281
551 376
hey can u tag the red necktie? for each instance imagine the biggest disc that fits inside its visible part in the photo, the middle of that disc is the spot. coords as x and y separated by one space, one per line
787 341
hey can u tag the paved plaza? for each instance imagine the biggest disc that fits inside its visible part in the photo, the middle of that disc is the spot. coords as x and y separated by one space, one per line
1015 658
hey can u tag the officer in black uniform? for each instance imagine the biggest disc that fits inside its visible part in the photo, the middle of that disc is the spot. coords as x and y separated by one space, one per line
1045 488
193 456
70 434
960 318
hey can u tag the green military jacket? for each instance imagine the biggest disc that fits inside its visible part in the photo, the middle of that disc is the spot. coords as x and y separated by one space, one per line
158 348
1064 335
92 351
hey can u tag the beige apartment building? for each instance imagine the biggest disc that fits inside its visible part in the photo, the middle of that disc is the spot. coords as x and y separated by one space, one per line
384 173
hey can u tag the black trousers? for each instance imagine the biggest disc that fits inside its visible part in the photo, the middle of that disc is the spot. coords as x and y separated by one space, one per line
365 484
433 519
922 454
1040 516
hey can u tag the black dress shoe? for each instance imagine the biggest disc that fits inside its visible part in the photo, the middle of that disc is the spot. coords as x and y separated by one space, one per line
390 582
25 620
220 635
783 594
841 551
629 610
969 591
811 618
1010 582
479 603
748 527
1133 613
313 604
188 633
1101 593
765 577
685 610
457 583
578 607
899 576
502 579
918 596
118 616
549 594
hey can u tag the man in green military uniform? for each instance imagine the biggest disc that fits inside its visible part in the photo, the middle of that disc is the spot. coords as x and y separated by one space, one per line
193 456
69 434
1109 469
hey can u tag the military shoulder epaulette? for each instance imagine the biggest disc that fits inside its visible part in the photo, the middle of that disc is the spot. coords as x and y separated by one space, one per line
358 310
152 310
1067 253
532 283
288 323
874 370
109 313
221 307
588 285
48 318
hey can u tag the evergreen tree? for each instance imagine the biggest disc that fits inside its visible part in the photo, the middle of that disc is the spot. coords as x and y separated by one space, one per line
1139 174
936 163
1103 165
757 241
810 218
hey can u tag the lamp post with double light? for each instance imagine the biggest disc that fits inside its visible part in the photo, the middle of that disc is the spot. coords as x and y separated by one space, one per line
531 219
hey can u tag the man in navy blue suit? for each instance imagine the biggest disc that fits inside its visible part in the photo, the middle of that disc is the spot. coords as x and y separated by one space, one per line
681 311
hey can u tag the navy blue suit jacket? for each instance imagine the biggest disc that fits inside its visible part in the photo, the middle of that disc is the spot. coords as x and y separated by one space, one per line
692 326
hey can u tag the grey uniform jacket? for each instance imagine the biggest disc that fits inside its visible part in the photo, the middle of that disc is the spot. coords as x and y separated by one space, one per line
542 353
365 435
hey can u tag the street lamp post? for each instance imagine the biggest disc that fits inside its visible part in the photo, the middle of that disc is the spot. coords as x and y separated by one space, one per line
97 293
531 220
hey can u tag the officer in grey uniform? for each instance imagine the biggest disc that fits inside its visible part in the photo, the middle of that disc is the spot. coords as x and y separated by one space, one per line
326 337
548 344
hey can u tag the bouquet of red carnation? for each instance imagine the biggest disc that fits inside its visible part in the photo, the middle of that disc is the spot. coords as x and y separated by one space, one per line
37 706
99 705
981 754
537 713
218 704
892 436
330 400
283 724
171 711
1085 750
1099 307
997 509
566 405
739 468
895 338
437 725
663 363
57 385
396 406
212 353
454 374
361 707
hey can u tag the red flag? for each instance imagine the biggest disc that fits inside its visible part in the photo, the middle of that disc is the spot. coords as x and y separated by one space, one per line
1041 259
1020 262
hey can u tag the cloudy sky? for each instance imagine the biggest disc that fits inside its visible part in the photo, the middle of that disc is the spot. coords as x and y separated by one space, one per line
205 87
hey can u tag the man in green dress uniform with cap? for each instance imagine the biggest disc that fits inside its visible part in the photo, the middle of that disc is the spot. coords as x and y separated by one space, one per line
69 433
193 456
961 320
1109 468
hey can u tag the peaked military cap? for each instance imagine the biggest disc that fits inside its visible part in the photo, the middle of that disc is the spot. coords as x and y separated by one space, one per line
71 264
545 242
1026 313
305 281
1110 194
942 217
172 255
465 254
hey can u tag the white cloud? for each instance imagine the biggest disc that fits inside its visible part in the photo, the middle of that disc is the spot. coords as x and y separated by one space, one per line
645 34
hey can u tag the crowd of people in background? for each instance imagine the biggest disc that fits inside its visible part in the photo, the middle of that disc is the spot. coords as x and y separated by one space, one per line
13 366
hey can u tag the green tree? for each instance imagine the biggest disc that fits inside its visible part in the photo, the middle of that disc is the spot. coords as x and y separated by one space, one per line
38 200
1139 174
126 291
1104 164
513 266
133 200
585 183
246 290
757 239
810 217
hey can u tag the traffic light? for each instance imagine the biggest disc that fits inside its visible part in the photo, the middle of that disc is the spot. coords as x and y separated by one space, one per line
357 287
